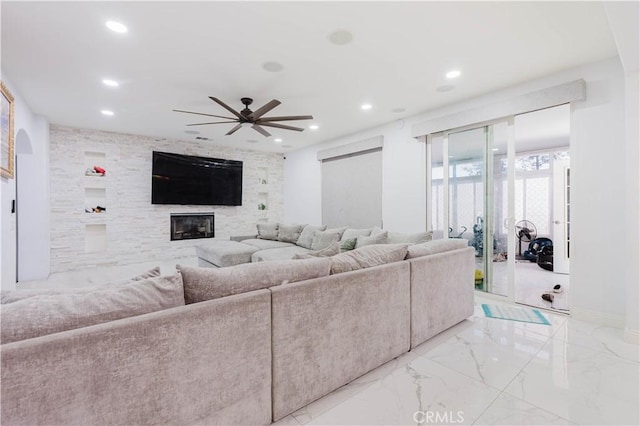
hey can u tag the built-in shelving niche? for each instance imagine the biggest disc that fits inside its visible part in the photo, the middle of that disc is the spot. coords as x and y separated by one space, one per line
95 238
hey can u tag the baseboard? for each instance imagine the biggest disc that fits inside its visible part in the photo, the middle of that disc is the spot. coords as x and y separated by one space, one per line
598 317
632 336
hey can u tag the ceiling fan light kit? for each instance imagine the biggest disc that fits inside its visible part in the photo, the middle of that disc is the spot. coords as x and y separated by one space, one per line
248 118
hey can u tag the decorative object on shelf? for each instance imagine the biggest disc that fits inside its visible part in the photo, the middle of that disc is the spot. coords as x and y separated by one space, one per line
262 206
248 118
95 171
6 142
96 209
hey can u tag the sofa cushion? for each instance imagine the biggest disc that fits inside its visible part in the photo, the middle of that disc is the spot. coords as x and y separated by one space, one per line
306 236
353 233
265 244
436 246
289 233
362 241
332 250
10 296
42 315
415 238
367 257
349 244
267 231
202 284
324 239
281 253
226 253
338 230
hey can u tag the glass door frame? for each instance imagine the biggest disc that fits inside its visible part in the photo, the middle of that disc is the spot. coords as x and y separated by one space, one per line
488 182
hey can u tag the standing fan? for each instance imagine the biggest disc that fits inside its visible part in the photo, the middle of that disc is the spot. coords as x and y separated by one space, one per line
525 231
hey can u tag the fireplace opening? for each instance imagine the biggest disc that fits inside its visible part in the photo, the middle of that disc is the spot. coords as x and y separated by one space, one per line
188 226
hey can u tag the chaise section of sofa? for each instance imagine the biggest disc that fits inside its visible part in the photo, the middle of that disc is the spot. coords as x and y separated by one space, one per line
206 363
328 331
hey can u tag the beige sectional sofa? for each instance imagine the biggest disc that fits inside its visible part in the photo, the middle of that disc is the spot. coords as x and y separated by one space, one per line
242 354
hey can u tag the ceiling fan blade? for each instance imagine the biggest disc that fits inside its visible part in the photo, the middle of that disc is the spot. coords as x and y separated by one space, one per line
264 109
286 118
201 113
282 126
260 130
215 122
227 107
235 129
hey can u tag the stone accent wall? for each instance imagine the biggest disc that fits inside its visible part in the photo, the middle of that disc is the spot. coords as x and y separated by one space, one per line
134 229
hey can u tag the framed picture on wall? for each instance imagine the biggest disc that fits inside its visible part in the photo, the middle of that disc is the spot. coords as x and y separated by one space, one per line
6 143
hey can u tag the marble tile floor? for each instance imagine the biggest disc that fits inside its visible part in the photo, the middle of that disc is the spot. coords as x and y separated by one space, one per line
531 281
483 371
487 371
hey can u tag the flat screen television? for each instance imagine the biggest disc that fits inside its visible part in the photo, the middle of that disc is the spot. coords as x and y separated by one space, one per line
187 179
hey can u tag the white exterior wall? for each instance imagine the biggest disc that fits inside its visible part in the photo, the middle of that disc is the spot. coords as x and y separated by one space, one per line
600 193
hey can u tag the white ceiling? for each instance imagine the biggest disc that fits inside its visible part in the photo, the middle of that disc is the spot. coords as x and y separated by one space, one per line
176 54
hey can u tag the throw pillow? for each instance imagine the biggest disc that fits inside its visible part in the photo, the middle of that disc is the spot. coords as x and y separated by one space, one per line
436 246
350 244
338 230
324 239
362 241
306 236
332 250
367 257
42 315
289 233
202 284
376 230
10 296
415 238
353 233
267 231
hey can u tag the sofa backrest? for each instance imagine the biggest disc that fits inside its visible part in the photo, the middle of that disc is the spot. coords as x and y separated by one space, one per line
202 284
207 363
329 331
442 291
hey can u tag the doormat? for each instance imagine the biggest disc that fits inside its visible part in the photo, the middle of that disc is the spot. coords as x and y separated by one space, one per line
514 314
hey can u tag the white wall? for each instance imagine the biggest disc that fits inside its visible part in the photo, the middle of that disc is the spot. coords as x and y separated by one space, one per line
403 183
31 130
600 192
136 230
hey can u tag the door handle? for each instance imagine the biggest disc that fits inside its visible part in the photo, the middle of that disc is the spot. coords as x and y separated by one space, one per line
559 222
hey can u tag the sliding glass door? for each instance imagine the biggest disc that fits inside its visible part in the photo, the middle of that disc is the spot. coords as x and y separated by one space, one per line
475 187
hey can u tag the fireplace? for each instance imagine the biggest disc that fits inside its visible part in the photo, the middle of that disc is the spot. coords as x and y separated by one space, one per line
188 226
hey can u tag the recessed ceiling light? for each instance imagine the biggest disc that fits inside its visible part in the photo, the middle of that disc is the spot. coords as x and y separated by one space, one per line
110 83
453 74
495 149
366 106
192 132
107 112
272 66
398 110
314 127
116 27
340 37
445 88
277 140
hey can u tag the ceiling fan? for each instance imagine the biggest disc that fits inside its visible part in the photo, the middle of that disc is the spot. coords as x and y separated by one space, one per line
254 119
